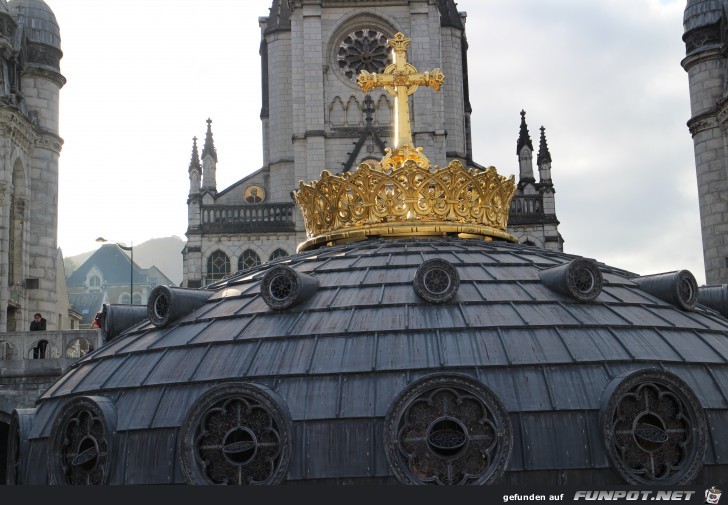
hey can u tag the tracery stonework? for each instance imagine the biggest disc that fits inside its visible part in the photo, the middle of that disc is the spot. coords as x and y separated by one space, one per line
654 429
363 49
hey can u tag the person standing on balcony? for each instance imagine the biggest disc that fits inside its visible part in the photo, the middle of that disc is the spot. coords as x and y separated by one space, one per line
38 323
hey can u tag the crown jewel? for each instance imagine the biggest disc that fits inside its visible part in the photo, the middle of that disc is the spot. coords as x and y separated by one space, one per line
403 195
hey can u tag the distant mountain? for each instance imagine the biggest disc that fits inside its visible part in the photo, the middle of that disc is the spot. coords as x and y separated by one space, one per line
163 253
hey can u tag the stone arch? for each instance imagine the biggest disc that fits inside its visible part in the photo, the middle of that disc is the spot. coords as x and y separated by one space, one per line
383 111
530 240
353 112
79 348
337 113
42 349
17 217
7 351
278 253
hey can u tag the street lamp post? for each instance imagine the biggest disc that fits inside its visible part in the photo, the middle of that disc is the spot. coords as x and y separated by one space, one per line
129 248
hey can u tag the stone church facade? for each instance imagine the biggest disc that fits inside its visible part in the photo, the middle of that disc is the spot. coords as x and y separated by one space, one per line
314 115
32 277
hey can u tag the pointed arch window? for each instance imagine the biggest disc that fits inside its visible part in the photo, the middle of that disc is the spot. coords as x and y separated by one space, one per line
278 253
248 259
218 266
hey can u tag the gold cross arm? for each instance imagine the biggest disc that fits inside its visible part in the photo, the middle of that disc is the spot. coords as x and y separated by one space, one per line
401 79
368 81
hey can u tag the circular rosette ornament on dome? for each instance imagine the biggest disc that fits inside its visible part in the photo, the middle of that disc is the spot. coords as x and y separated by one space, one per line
447 430
654 429
236 434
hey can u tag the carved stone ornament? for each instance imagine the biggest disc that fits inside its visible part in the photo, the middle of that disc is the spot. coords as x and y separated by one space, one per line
80 450
654 428
436 281
447 430
236 434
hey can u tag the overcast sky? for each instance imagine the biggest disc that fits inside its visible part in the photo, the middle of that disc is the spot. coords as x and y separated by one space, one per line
602 76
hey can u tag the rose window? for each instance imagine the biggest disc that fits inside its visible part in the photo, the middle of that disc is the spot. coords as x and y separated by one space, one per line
362 50
81 451
655 430
447 430
236 435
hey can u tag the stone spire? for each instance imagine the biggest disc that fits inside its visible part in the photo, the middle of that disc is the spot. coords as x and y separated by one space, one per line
209 161
524 150
195 169
209 148
544 159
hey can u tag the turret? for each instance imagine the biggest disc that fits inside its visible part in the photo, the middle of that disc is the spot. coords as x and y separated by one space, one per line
524 150
544 160
705 63
36 89
209 162
195 170
546 185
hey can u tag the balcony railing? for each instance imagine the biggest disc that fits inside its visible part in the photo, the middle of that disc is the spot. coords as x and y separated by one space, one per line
262 217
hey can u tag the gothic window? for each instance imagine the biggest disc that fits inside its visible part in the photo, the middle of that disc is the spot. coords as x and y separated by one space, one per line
124 298
363 49
248 259
81 449
278 253
137 299
237 434
447 430
654 428
218 266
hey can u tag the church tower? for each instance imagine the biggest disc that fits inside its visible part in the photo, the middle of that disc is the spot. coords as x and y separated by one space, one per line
533 208
705 37
314 115
30 83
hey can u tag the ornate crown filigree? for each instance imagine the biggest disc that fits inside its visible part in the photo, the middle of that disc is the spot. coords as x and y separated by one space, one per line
403 195
409 200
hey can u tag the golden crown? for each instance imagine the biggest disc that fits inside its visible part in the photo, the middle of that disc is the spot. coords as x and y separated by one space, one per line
403 195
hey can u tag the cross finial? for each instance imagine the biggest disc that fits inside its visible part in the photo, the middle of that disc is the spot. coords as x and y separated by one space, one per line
401 79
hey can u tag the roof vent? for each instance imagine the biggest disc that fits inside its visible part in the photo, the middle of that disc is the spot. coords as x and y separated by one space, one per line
283 287
436 281
117 318
167 304
579 279
715 297
679 288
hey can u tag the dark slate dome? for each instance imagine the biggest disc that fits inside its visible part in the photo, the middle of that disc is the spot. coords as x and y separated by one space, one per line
39 22
417 360
700 13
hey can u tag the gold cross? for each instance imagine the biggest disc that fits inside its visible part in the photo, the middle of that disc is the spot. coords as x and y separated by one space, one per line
401 79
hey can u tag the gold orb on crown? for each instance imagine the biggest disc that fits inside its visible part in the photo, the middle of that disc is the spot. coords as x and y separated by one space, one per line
403 194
